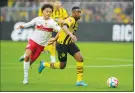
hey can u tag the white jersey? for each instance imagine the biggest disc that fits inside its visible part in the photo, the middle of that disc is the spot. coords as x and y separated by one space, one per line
41 37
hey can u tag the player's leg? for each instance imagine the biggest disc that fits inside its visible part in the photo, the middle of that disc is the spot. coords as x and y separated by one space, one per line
21 59
75 52
62 56
26 65
52 50
79 64
46 49
29 50
55 65
36 53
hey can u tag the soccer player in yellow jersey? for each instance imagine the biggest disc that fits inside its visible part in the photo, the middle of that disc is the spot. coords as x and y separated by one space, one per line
65 44
59 14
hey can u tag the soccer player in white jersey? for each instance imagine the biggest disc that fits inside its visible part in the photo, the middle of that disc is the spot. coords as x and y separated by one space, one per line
39 38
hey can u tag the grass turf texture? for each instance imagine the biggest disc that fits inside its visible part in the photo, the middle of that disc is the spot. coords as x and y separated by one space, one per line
101 61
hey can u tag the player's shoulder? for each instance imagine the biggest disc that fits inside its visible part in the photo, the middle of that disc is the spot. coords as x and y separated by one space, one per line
52 20
70 19
62 8
38 17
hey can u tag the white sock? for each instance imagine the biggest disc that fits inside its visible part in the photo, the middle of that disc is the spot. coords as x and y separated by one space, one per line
53 59
26 69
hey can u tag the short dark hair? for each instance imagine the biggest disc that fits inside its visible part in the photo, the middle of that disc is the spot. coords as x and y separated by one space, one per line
75 7
47 6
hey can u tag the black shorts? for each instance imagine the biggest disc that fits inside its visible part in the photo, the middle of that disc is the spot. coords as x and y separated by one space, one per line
64 49
54 34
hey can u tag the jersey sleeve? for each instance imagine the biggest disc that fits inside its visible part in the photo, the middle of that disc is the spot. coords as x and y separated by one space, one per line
31 23
56 27
69 21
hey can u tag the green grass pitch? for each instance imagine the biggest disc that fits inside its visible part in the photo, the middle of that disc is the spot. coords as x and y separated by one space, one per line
101 61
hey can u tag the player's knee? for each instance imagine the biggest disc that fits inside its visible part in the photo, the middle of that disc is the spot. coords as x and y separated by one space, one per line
62 65
27 58
81 59
31 62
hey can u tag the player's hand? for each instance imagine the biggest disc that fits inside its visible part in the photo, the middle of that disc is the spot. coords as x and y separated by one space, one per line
20 27
60 21
51 41
74 38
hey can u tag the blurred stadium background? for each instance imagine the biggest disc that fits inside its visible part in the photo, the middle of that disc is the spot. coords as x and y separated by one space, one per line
105 38
115 17
120 11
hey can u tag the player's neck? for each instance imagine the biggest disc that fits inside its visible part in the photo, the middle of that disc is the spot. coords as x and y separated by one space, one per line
57 8
74 18
45 18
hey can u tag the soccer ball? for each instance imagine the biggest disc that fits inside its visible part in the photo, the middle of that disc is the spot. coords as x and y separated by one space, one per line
112 82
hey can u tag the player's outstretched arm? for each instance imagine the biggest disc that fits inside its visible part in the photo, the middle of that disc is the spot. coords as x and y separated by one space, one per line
69 33
28 24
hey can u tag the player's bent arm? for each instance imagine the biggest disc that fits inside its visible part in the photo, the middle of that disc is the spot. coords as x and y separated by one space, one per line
66 30
57 36
69 33
52 40
60 21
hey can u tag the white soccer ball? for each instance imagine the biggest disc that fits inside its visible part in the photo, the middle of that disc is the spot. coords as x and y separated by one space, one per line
112 82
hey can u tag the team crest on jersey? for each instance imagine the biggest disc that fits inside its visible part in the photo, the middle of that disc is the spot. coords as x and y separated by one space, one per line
63 54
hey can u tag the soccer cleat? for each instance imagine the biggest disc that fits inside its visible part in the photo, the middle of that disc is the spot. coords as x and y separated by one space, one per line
41 67
25 81
21 58
81 83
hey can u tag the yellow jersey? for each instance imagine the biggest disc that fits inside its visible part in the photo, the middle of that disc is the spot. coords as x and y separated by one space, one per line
72 26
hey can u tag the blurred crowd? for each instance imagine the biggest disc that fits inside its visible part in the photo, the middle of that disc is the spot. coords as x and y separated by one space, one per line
119 11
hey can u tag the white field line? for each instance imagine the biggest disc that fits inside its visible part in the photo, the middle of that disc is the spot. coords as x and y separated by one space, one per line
105 66
101 66
114 59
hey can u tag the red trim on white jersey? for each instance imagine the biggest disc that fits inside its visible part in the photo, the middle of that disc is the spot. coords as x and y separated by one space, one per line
41 27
